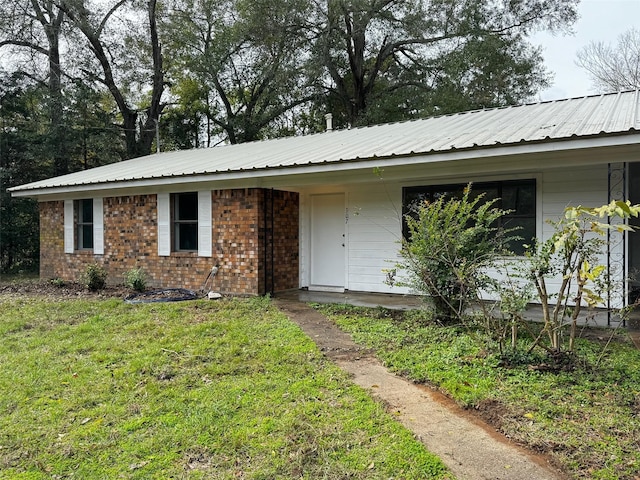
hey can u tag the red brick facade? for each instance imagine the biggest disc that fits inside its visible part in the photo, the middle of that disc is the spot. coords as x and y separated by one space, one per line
255 242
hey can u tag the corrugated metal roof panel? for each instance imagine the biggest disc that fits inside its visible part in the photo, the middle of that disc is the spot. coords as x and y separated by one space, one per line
545 121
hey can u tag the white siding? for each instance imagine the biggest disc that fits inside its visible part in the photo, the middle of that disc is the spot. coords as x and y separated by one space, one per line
374 226
586 186
375 230
561 188
303 235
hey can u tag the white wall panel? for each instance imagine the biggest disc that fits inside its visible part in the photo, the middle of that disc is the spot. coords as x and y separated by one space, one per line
375 226
375 229
586 186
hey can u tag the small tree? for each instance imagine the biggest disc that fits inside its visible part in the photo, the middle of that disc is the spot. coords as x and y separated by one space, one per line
450 243
571 255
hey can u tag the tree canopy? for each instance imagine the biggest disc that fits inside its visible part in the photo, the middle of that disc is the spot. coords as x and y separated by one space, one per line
96 81
208 71
395 59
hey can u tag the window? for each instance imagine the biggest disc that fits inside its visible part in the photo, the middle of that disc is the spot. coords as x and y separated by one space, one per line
84 224
185 221
519 196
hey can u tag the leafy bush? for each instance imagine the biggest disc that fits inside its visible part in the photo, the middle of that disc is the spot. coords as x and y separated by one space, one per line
94 277
450 244
135 279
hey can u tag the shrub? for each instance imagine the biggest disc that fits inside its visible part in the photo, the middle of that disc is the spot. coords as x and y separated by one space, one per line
450 243
135 279
94 277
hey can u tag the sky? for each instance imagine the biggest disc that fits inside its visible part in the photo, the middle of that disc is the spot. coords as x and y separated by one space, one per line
600 20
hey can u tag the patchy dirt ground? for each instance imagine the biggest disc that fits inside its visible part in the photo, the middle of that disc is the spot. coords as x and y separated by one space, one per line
59 290
68 290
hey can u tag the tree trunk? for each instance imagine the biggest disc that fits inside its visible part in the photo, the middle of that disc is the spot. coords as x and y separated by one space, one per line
148 129
56 111
138 138
51 20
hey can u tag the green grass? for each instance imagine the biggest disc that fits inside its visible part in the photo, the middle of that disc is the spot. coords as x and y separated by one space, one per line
101 389
587 419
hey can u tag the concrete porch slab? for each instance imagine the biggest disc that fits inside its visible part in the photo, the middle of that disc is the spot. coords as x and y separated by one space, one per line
597 319
358 299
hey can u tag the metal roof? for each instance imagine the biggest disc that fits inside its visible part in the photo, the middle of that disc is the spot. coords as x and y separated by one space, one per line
584 117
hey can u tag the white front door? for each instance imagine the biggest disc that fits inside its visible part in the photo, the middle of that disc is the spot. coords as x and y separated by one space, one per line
328 242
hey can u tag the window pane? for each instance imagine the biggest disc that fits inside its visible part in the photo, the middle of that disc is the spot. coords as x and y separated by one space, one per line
187 236
187 206
87 236
446 194
86 211
490 193
520 197
526 230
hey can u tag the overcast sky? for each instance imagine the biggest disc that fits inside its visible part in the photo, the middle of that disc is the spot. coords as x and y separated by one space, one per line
600 20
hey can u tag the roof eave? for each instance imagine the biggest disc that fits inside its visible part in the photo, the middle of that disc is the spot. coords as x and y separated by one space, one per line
541 146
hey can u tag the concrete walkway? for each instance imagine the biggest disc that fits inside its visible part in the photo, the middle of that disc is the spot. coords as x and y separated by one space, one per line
470 448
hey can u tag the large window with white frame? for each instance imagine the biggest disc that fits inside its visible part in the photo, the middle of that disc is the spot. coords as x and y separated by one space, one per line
517 196
185 223
84 225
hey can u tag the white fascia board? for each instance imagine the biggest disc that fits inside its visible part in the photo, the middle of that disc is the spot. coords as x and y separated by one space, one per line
259 177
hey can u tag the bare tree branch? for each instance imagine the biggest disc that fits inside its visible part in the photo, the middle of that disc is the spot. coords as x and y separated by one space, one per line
613 67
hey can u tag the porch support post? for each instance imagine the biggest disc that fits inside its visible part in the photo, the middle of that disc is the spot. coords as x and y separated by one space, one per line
616 242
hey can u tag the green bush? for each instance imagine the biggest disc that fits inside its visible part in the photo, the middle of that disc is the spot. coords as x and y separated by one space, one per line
450 244
94 277
135 279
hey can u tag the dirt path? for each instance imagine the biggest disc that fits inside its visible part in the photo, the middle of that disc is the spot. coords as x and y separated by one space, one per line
471 449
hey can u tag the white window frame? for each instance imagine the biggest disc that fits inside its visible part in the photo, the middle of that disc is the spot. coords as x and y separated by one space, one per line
166 224
71 226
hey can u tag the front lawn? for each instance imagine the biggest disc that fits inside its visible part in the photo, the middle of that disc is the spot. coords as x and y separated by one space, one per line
232 389
586 418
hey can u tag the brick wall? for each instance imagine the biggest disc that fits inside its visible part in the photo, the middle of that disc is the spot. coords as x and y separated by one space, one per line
235 238
279 239
52 241
130 241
